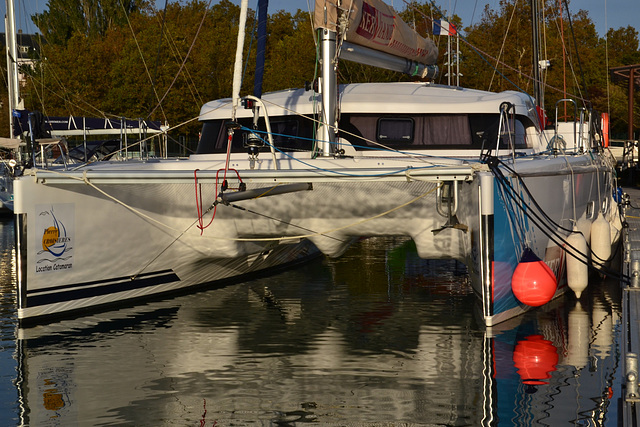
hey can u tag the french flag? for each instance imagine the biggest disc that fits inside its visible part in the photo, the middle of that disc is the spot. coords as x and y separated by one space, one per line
443 28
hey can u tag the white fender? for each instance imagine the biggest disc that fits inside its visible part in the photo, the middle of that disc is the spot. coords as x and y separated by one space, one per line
584 226
600 239
615 222
577 268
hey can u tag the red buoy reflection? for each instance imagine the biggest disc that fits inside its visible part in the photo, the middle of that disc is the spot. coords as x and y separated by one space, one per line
535 358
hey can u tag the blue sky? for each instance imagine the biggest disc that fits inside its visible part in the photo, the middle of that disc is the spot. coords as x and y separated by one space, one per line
605 13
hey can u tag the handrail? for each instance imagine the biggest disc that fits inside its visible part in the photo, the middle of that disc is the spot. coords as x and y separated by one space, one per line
268 124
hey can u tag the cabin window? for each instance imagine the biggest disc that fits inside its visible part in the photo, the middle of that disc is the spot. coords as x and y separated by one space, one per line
437 131
392 130
210 137
513 134
289 134
285 134
446 130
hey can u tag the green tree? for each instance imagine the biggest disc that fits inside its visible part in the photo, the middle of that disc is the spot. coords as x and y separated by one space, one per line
623 49
91 18
289 35
623 46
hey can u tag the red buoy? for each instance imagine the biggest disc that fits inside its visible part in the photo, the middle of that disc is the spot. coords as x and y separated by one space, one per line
535 358
533 282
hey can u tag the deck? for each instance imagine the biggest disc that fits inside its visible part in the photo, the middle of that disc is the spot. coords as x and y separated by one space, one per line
630 341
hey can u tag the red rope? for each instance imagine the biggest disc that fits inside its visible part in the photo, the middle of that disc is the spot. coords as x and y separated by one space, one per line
198 186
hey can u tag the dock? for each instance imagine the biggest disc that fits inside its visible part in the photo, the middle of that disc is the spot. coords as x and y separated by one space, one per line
630 284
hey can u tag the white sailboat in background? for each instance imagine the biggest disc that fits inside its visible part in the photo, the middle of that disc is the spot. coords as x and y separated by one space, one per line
10 143
467 174
33 137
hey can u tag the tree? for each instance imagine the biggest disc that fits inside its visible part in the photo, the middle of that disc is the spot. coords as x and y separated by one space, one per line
623 49
91 18
571 44
289 35
623 46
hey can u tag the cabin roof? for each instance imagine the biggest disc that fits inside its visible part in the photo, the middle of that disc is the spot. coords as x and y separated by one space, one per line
381 98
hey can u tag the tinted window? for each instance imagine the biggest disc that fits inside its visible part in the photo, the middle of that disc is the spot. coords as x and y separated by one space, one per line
395 130
288 133
438 131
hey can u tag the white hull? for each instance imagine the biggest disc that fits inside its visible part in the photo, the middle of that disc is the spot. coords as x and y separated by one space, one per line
564 190
114 255
114 231
150 236
146 240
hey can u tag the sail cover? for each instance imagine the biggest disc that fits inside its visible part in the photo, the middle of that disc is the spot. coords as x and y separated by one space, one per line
74 125
374 24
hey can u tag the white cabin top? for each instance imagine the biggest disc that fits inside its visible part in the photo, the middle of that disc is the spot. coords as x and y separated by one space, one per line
383 98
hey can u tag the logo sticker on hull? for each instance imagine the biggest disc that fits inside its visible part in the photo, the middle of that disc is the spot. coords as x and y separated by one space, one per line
54 245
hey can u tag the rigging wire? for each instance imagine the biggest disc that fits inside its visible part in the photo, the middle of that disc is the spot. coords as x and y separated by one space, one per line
575 44
542 220
504 128
175 78
283 222
481 54
149 218
484 55
606 57
253 35
504 42
67 97
319 122
198 188
175 51
155 71
564 58
66 100
144 63
565 53
404 169
546 52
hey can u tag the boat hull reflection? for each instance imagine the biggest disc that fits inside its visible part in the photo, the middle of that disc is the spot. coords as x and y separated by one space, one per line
378 335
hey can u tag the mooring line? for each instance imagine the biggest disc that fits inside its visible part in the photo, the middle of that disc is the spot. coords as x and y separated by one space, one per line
282 221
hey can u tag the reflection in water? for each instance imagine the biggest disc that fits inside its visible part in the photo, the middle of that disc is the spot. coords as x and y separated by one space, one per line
579 330
575 353
377 336
8 320
535 358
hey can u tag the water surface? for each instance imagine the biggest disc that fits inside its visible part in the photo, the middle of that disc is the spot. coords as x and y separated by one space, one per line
377 337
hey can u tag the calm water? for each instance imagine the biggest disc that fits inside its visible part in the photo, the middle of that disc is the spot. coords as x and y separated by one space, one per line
378 337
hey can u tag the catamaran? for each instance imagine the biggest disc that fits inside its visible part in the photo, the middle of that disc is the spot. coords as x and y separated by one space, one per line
467 174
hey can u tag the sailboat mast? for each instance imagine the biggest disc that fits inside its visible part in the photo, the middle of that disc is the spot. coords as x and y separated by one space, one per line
237 69
329 91
12 63
537 91
263 6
